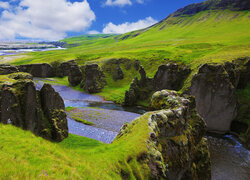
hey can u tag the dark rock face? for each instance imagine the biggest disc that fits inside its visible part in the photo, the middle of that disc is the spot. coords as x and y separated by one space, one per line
53 108
216 99
170 76
244 64
137 65
38 70
93 78
20 105
118 74
65 67
75 74
176 145
139 89
7 69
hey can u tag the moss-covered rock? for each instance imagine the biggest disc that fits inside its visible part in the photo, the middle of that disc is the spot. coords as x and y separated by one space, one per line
169 76
75 74
40 112
7 69
176 148
215 94
93 78
38 70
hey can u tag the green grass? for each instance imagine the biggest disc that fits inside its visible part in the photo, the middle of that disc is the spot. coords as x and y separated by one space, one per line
212 36
25 156
78 119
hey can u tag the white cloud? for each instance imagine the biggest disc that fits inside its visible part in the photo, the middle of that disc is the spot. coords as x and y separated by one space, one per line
45 19
4 5
118 2
93 32
111 28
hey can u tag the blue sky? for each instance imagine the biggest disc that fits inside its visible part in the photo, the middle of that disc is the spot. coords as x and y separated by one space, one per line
57 19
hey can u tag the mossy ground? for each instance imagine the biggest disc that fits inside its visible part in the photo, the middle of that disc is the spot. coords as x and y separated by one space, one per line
74 158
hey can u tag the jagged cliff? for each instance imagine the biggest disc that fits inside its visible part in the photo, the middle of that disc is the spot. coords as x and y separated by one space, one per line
41 112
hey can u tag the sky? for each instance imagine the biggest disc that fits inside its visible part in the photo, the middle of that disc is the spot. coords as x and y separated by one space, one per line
57 19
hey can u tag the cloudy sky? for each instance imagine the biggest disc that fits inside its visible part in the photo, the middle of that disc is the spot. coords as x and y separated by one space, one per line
57 19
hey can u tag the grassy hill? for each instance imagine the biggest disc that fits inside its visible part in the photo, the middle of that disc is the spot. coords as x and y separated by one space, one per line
212 31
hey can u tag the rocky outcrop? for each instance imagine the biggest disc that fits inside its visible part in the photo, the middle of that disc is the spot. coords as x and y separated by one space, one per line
244 69
93 78
215 94
7 69
139 89
117 73
114 67
40 112
170 76
176 148
75 74
65 67
54 109
38 70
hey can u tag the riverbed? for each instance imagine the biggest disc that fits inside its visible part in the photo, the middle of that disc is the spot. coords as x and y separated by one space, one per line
230 160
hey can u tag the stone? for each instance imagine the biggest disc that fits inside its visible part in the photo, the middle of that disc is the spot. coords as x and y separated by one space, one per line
38 70
118 73
7 69
65 67
93 78
176 147
54 109
137 65
40 112
170 76
75 74
244 79
216 99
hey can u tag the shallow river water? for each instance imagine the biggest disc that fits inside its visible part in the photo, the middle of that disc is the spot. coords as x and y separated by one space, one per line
230 160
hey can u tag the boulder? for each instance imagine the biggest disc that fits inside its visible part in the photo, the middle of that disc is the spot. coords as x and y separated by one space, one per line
7 69
175 143
38 70
93 78
170 76
75 74
40 112
216 99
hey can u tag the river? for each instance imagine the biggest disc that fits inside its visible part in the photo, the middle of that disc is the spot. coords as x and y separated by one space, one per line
230 160
19 51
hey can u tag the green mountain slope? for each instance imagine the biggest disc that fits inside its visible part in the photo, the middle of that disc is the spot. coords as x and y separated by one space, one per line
194 34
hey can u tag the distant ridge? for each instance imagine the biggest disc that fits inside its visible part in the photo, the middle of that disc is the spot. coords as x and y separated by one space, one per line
234 5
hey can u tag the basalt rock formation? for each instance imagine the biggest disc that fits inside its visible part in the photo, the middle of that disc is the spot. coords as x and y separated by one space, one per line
41 112
176 148
93 78
38 70
7 69
170 76
215 94
75 74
